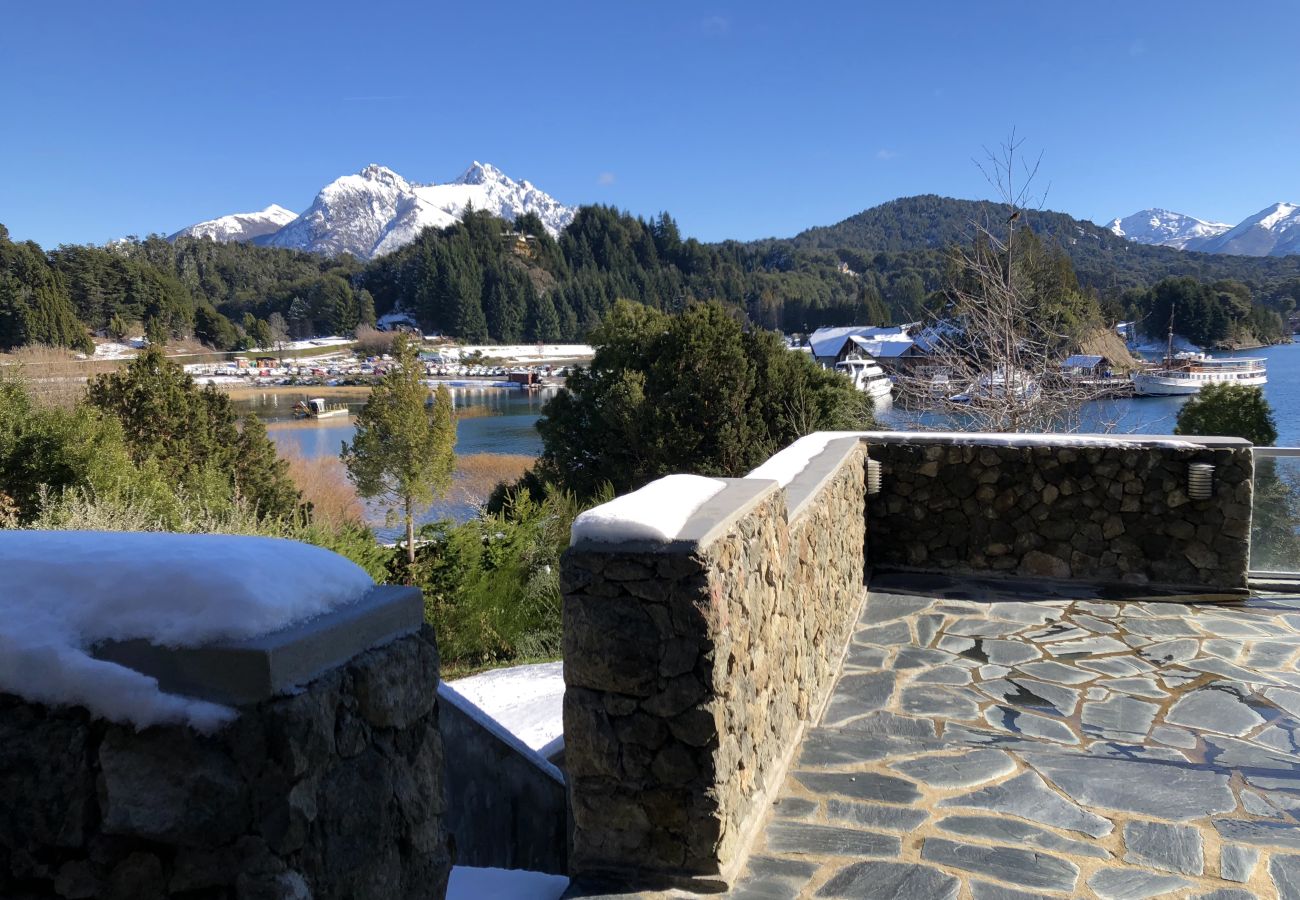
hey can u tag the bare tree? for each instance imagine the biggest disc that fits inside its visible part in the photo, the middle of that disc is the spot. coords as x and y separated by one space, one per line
994 348
279 331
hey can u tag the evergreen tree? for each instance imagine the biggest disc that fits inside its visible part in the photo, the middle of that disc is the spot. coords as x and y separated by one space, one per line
687 393
1230 410
191 435
261 475
366 309
1234 410
403 450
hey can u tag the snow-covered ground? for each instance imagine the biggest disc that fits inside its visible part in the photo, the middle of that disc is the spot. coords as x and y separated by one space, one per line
528 701
115 350
469 883
62 592
521 352
1160 346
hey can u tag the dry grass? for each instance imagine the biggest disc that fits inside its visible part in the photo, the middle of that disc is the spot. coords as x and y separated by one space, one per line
303 391
478 473
294 424
324 483
54 376
373 342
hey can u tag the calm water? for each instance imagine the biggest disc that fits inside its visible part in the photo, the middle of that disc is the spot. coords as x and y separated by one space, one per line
1158 415
508 428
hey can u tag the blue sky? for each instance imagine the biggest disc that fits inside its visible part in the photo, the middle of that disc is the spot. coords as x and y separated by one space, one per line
743 120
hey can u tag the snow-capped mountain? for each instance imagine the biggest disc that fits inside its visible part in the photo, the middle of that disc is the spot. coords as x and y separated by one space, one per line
1170 229
377 211
240 226
1274 231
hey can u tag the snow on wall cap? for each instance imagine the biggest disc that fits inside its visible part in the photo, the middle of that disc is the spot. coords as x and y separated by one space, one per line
63 592
656 512
786 465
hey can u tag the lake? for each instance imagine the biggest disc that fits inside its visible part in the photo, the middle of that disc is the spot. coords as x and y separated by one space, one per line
506 425
503 420
1158 415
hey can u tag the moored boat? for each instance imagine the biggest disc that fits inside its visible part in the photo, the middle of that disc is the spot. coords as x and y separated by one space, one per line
867 376
1186 373
317 408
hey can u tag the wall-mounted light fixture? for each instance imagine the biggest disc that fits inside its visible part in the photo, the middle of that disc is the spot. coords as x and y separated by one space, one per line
1200 481
873 476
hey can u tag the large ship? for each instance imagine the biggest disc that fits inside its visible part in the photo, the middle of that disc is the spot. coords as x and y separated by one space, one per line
1187 373
867 376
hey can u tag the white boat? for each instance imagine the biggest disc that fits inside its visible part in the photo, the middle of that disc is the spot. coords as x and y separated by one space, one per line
996 387
867 376
1187 373
317 408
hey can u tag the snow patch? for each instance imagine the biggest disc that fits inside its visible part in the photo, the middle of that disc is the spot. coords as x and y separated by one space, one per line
527 701
656 512
788 463
62 592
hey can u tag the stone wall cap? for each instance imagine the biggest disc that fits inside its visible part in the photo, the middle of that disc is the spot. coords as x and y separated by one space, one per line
711 520
1102 441
243 672
805 486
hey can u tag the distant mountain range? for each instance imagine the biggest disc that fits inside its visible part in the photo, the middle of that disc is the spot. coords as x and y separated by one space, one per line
377 211
1273 231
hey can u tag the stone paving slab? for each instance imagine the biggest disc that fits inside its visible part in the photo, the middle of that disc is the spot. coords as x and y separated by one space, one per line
988 744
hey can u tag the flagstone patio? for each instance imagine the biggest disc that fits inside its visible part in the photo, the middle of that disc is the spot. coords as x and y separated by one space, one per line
994 746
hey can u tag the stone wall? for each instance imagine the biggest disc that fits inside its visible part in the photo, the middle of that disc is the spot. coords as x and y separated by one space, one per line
335 792
692 666
507 808
1117 513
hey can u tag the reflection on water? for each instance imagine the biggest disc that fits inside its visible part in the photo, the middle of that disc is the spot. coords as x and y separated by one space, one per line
508 427
1153 415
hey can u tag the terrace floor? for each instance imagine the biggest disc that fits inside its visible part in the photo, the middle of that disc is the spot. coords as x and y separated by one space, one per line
995 747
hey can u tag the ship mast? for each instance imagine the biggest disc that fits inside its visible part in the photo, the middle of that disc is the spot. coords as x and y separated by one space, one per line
1169 353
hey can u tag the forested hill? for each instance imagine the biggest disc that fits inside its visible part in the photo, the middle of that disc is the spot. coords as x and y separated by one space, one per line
485 279
1101 259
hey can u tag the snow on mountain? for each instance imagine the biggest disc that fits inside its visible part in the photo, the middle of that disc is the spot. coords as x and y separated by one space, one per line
240 227
1169 229
377 211
1274 231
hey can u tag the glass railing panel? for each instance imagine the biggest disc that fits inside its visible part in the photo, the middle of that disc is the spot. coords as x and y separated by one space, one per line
1275 518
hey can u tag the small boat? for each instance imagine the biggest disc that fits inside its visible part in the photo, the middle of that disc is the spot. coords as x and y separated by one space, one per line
317 408
997 387
867 376
1186 373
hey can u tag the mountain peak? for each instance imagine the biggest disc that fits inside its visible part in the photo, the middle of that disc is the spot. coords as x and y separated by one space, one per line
383 175
1273 231
481 173
1167 228
240 227
376 211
